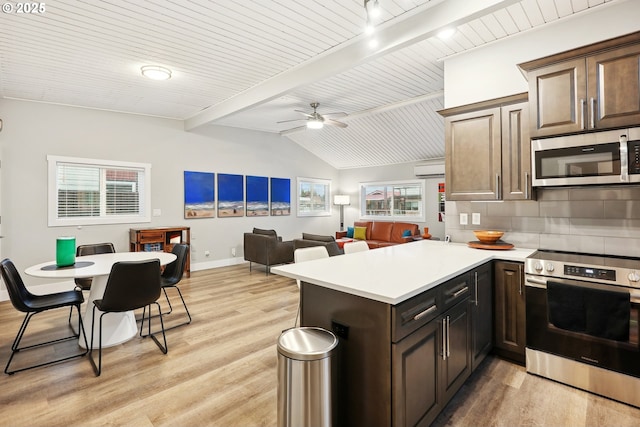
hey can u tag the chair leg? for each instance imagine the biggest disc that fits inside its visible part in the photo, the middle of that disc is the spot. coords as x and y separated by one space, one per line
164 348
183 303
15 347
168 302
97 369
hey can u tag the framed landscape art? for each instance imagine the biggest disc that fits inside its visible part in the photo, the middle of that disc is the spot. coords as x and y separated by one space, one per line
257 190
280 196
230 195
199 200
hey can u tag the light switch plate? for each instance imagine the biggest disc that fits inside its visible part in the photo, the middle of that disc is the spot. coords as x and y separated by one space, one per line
475 218
464 219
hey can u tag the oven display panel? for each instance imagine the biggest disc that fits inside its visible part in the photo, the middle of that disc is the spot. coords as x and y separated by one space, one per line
593 273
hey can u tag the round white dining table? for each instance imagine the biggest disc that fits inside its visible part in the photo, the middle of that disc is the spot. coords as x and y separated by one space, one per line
116 327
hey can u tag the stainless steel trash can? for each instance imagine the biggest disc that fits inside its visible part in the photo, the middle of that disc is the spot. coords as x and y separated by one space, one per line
306 377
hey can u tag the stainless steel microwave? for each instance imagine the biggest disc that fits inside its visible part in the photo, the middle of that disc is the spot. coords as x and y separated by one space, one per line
607 157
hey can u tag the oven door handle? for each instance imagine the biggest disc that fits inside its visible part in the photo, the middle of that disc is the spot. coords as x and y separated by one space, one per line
535 282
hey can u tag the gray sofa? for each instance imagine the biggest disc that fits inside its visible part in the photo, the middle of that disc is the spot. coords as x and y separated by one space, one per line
309 240
267 248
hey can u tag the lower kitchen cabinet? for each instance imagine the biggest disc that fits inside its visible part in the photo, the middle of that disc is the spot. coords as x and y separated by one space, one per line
481 313
509 320
430 365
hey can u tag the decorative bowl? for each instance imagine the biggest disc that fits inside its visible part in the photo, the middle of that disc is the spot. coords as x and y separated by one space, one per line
488 236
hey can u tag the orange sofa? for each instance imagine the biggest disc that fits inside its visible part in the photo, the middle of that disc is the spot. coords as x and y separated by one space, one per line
385 233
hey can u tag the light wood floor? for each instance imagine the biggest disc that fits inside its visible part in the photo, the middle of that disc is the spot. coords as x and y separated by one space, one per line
221 371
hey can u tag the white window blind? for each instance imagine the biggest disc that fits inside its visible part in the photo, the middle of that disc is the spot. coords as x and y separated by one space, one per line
87 191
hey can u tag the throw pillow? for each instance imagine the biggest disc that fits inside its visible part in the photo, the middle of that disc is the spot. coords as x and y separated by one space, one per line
317 237
265 232
406 233
350 232
360 233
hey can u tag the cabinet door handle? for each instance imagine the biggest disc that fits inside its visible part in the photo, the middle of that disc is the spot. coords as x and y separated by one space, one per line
520 279
444 339
425 312
593 112
448 340
582 102
460 292
497 186
526 185
476 297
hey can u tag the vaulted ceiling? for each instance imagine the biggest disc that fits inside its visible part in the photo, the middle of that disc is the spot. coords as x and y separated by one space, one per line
251 64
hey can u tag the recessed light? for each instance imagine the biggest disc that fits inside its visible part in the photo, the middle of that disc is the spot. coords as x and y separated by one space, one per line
446 33
156 72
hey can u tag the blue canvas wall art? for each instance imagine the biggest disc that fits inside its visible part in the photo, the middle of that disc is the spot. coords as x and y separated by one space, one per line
280 196
230 195
199 200
257 195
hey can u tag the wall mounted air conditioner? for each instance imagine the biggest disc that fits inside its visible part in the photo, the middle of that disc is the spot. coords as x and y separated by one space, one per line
429 169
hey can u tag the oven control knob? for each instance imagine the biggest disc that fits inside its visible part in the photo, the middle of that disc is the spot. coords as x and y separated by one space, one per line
549 267
538 266
634 276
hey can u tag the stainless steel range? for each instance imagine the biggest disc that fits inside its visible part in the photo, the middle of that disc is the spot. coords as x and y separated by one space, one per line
582 316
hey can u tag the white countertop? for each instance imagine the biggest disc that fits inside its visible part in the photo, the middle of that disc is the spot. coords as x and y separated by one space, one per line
396 273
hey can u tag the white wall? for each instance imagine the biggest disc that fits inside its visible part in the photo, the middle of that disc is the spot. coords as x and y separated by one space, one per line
34 130
351 178
491 71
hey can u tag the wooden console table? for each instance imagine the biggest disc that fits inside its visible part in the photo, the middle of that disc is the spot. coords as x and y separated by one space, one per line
160 239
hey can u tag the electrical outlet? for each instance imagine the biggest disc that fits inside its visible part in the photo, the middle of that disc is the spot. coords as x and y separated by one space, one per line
464 219
339 329
233 251
207 253
475 218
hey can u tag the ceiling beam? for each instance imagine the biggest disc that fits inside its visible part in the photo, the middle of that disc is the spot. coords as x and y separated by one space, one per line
395 34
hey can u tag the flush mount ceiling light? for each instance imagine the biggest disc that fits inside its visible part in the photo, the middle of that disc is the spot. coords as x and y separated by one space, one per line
156 72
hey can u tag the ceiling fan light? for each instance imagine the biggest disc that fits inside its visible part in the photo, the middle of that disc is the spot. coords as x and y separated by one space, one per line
156 72
314 124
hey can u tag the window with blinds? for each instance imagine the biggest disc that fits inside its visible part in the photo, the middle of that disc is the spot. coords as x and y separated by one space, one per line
87 191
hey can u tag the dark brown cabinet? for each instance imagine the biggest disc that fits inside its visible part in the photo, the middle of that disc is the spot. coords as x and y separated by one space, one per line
594 87
160 239
481 313
487 150
509 320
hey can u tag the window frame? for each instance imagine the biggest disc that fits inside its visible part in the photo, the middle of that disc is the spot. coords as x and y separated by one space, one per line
408 182
327 189
144 202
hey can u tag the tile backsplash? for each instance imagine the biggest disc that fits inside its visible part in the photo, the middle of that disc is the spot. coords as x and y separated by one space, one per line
597 220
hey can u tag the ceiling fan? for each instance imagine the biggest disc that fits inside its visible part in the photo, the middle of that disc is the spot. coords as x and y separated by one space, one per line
316 120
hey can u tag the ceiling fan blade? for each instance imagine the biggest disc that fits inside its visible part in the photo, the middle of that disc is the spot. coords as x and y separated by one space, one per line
292 120
293 130
303 112
335 123
334 115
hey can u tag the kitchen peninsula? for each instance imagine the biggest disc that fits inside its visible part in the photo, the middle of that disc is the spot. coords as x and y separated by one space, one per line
405 318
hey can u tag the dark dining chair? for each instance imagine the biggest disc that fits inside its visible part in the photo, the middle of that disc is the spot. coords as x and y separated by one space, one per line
91 249
131 285
172 275
31 304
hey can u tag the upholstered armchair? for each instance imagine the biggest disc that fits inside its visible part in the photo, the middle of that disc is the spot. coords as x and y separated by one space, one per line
267 248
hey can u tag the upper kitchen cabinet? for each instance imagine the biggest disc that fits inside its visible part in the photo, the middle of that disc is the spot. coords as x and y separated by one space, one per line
488 151
594 87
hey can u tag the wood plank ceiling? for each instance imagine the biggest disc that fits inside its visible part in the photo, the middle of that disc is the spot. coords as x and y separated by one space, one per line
250 64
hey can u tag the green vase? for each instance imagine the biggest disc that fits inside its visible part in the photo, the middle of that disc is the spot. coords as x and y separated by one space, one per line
65 251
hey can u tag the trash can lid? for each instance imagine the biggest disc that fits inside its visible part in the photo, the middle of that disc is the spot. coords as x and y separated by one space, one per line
307 343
